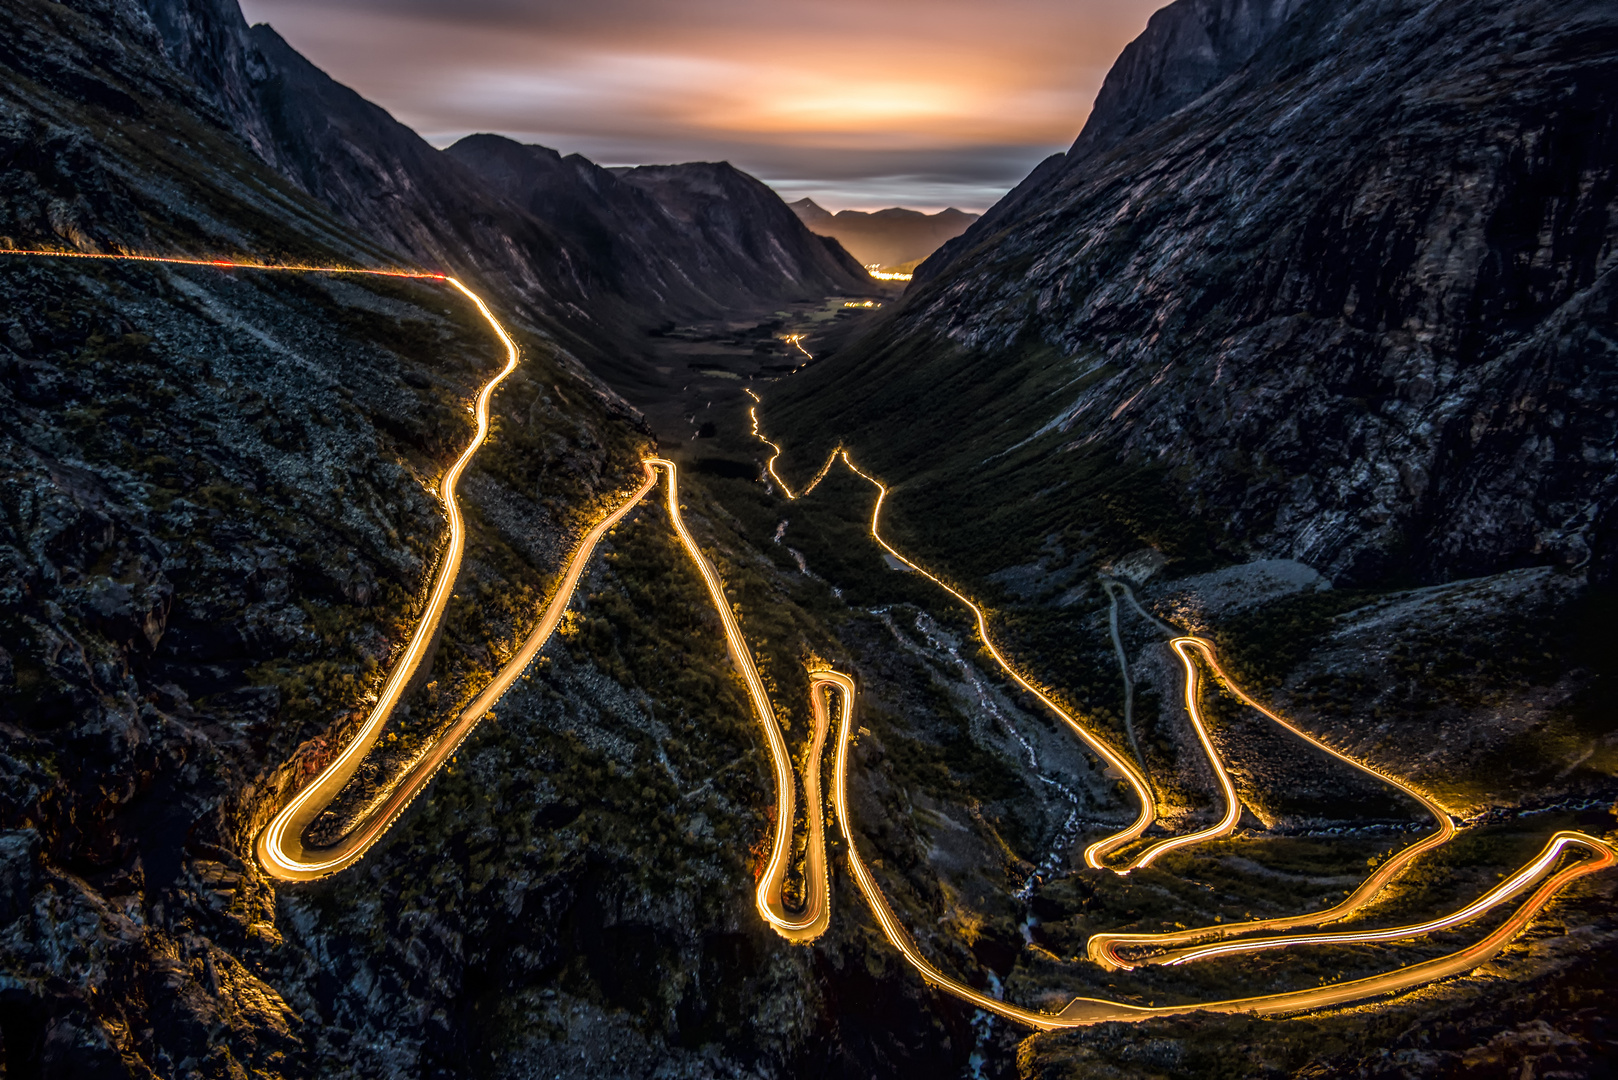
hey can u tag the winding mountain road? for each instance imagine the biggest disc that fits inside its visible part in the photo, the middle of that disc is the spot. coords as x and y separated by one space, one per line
284 853
1103 948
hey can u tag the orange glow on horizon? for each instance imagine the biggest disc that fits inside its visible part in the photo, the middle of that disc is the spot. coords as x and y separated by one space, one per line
803 90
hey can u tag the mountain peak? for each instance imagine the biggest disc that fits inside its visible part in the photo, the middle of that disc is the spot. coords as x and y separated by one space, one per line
810 212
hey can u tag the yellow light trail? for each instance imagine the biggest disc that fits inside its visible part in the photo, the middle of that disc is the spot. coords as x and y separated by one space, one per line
1496 896
1102 948
769 465
817 914
1102 945
280 846
1233 807
1098 851
1084 1011
284 855
876 271
228 264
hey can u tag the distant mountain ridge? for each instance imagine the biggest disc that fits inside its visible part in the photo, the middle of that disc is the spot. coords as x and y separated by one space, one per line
888 238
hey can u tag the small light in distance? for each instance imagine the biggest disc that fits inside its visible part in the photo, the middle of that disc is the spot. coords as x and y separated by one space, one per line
876 271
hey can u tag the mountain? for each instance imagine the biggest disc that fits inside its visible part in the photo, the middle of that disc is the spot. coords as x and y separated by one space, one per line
1352 299
1215 361
888 238
677 241
1186 48
542 252
1341 302
373 173
220 512
219 499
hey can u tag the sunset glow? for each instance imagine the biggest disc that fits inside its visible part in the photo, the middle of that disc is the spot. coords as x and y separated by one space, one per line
924 105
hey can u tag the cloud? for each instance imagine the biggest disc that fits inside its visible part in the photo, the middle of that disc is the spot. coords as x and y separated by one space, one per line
954 98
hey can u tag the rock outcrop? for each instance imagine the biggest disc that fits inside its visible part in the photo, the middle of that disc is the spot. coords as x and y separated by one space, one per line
219 513
1186 49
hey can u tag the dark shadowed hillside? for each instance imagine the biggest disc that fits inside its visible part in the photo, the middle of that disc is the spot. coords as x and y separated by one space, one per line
1313 350
218 522
1186 49
1329 287
676 241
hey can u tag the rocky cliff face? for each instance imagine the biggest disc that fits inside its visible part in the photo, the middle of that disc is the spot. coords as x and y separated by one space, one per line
1340 298
371 172
217 519
1186 49
1355 299
217 510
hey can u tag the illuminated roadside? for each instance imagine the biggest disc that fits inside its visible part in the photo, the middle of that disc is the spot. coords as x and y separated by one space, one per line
1227 788
1098 851
817 885
280 846
281 849
1084 1011
1102 948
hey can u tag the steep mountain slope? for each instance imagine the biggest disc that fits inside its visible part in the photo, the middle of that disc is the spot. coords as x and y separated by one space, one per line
890 238
725 207
1342 306
217 514
1352 307
532 248
1185 49
704 239
216 524
373 173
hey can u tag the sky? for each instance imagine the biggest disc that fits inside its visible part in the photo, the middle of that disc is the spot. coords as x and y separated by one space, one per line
858 105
